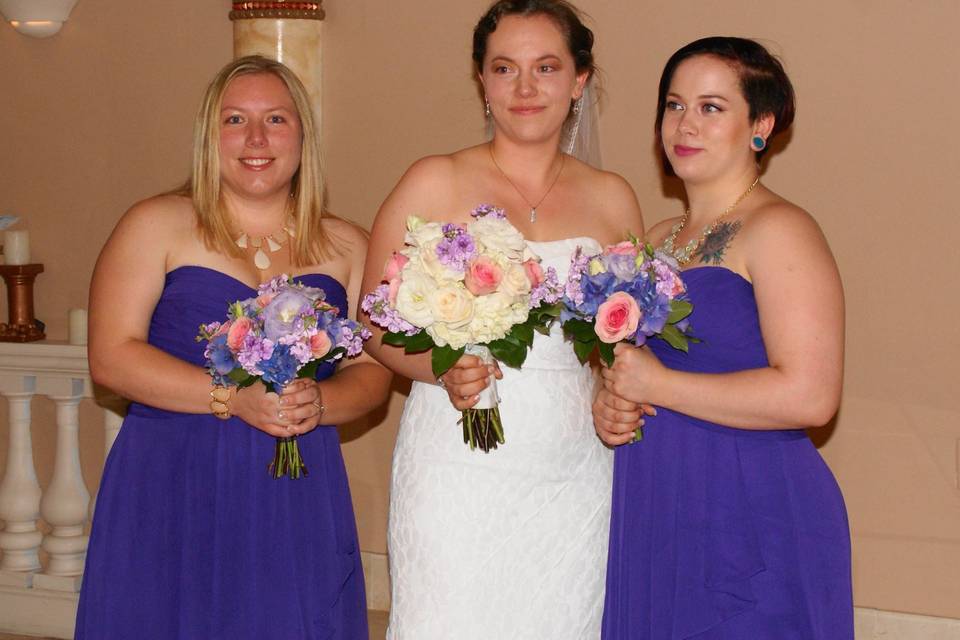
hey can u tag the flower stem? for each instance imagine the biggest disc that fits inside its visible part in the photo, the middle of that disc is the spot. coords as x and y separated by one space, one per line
287 460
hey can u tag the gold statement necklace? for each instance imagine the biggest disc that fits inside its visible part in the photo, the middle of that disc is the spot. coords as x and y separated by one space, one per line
533 207
272 242
684 254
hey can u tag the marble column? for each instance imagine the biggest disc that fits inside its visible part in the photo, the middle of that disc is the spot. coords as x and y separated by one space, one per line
287 31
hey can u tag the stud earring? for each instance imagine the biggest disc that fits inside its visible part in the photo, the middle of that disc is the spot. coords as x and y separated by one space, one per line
486 108
758 143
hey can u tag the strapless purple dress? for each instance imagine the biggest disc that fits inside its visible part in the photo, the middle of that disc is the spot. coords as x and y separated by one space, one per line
720 533
193 539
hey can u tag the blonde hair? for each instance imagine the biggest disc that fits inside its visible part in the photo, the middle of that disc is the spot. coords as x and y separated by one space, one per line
310 244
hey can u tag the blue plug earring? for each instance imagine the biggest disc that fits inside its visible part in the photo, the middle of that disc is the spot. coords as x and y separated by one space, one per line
758 143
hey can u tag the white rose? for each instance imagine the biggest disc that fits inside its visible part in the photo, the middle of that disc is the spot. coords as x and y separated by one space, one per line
493 315
413 298
498 237
452 305
431 265
420 232
444 335
528 254
515 281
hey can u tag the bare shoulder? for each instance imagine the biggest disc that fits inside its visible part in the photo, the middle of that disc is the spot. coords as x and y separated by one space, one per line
346 235
780 232
425 182
154 226
159 214
612 202
780 221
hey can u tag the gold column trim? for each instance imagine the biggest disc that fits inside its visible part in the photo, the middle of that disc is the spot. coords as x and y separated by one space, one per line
277 10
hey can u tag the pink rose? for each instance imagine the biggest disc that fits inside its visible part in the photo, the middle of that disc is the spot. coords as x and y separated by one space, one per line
625 248
617 318
394 266
534 272
483 276
237 332
265 299
320 344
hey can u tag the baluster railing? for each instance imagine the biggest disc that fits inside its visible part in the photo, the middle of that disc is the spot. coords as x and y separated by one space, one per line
40 574
19 491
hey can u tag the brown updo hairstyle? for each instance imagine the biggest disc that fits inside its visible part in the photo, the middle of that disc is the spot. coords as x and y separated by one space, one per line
579 38
763 82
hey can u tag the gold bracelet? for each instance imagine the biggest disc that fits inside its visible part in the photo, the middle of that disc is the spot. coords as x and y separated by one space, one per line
219 397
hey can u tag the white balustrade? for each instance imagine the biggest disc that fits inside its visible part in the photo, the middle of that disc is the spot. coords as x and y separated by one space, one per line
19 491
39 590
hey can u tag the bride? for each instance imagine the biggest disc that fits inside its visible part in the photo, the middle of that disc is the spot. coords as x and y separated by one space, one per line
509 544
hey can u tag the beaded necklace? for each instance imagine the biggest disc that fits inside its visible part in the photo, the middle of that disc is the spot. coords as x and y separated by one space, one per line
684 254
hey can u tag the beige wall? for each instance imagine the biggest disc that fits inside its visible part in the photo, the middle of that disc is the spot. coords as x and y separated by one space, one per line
100 116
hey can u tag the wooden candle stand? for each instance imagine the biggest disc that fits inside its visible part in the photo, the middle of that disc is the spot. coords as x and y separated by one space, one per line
22 326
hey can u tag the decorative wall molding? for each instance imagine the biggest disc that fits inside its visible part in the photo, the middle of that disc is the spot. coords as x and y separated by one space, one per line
279 10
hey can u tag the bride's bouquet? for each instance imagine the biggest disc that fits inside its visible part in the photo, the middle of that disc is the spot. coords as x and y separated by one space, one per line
282 333
475 288
627 293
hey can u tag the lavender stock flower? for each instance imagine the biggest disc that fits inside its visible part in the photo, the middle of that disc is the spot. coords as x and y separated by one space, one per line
488 210
547 292
376 304
457 247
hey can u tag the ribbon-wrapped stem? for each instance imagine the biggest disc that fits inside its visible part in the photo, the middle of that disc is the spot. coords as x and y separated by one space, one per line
482 427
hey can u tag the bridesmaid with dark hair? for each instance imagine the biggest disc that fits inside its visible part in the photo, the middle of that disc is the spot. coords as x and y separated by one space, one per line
726 522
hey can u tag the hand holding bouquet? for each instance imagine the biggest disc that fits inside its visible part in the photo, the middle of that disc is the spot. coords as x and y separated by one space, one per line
626 293
282 333
474 288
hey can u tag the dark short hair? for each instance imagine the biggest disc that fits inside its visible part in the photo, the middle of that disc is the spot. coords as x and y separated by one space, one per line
578 36
764 83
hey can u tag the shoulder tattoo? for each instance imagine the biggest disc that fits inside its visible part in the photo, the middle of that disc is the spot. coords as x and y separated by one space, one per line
715 244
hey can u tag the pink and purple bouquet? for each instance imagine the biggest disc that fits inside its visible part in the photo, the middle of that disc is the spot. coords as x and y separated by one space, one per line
282 333
472 288
627 293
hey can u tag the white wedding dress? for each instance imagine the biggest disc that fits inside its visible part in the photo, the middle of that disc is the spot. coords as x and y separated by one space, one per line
511 543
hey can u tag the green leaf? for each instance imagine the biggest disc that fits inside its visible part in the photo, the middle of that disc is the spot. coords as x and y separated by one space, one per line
418 342
508 352
674 338
442 358
309 370
395 338
679 309
543 329
523 333
583 350
606 352
241 377
579 329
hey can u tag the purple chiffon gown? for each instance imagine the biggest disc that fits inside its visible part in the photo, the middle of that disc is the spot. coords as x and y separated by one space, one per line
720 533
193 539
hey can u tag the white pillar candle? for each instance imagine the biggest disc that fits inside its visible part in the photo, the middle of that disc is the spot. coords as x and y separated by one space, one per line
16 247
77 326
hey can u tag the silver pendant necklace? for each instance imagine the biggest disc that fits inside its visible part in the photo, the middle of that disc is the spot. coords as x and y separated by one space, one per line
533 207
